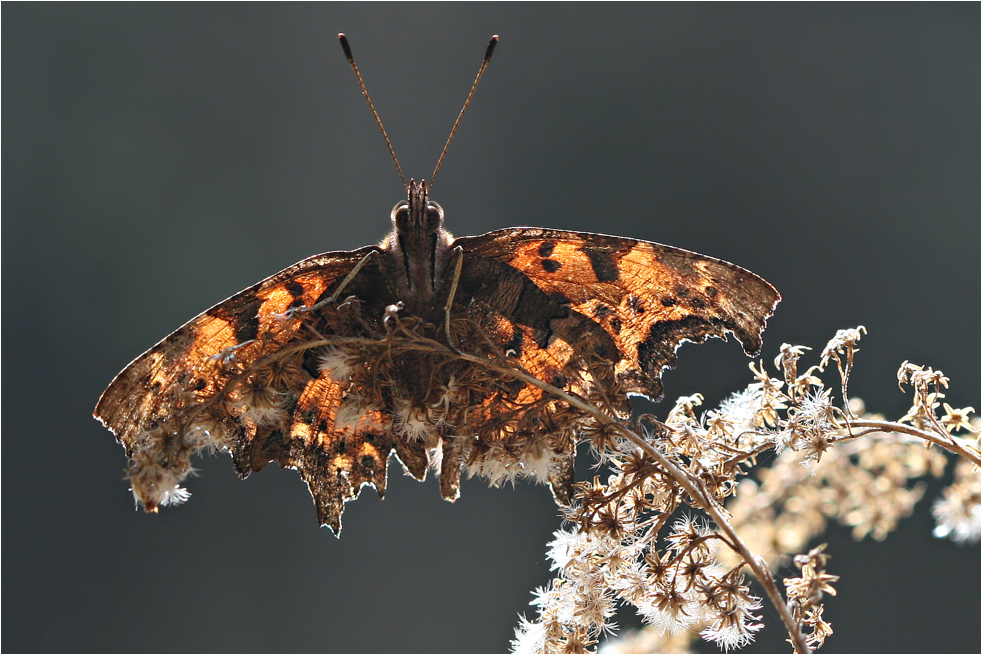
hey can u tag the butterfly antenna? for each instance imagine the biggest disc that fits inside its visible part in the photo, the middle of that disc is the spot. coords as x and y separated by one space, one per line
361 82
480 72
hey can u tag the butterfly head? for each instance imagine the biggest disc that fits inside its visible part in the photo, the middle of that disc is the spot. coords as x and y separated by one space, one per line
417 214
417 247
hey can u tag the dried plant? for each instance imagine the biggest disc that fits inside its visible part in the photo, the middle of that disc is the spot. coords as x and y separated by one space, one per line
685 521
680 524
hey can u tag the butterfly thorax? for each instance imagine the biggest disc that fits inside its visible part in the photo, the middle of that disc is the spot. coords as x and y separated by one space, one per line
417 249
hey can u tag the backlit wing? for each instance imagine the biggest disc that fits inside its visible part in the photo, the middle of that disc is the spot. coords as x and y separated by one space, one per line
647 297
240 377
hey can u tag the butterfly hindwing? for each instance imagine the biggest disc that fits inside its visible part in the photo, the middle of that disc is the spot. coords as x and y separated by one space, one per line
336 458
646 297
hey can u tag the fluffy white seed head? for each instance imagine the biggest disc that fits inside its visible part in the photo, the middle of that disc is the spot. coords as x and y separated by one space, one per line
413 422
338 363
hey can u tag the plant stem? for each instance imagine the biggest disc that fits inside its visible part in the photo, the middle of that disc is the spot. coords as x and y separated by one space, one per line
948 442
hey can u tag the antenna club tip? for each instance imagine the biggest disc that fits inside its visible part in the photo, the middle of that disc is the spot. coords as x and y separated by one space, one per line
345 46
491 44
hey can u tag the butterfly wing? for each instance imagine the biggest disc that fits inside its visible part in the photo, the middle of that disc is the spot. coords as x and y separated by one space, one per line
647 297
177 397
247 375
334 457
191 357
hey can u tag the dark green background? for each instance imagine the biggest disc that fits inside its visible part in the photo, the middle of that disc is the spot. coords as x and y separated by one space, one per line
158 158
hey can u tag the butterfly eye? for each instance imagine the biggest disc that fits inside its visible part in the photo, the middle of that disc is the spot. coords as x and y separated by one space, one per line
434 214
400 213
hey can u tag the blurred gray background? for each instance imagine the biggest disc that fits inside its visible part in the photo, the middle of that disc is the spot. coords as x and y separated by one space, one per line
158 158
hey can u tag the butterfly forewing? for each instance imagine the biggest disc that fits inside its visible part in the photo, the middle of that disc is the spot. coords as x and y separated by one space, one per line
646 296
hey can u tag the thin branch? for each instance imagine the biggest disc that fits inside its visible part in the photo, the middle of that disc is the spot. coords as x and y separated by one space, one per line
949 442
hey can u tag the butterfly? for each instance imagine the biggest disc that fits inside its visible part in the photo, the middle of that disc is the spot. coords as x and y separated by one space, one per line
417 347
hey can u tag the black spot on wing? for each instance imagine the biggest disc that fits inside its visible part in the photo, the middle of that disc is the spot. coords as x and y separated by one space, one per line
602 311
514 347
551 265
248 330
546 248
243 316
311 364
511 293
603 263
294 288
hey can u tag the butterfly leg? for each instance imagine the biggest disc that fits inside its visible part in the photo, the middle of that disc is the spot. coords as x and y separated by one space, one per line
346 281
458 256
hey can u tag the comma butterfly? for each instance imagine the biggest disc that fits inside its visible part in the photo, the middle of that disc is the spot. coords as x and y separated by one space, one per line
344 358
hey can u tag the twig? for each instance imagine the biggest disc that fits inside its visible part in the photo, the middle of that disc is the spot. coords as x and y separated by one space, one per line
951 443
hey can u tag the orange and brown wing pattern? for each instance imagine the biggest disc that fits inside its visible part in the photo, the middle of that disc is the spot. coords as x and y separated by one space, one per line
336 456
528 421
647 297
192 357
181 386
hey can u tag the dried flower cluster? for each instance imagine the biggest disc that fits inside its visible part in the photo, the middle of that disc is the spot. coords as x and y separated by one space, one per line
805 594
864 483
636 541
